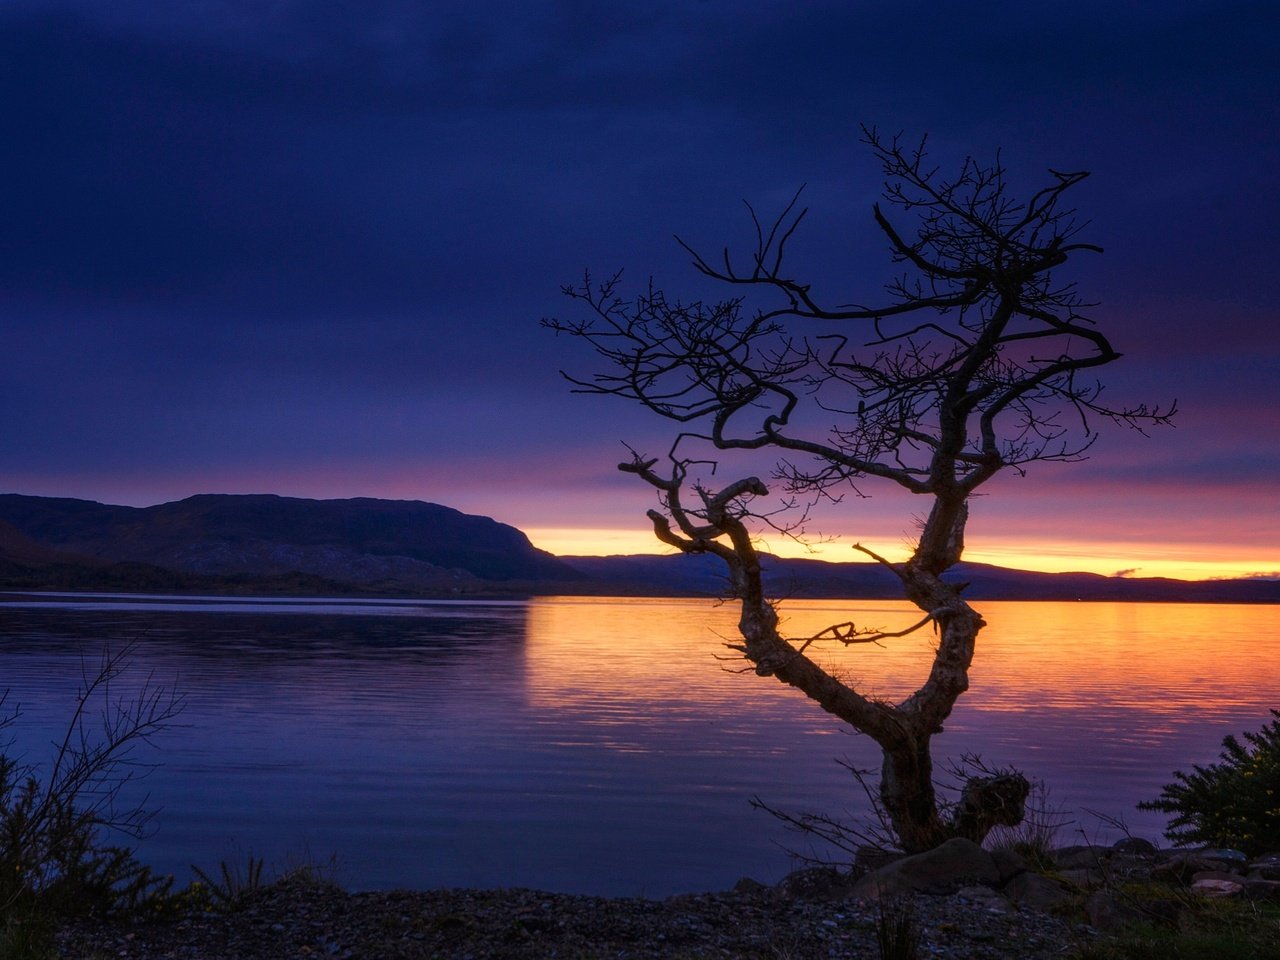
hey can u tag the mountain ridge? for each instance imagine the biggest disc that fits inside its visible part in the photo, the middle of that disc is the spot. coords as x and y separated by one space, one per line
407 543
272 544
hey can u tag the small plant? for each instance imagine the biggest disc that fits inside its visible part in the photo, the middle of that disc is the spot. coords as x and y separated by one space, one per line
897 933
1233 803
234 884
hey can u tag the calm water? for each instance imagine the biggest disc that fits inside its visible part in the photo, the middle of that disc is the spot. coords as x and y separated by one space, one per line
597 745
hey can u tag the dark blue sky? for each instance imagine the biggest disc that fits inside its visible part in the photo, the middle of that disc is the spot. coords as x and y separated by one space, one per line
303 247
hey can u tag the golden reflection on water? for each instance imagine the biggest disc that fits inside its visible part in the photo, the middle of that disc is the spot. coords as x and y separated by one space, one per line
618 657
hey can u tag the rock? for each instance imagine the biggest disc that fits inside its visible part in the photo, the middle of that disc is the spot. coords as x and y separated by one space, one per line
1083 878
815 883
1135 847
1036 891
749 885
1236 858
1267 866
870 858
940 870
1217 888
1180 867
1010 863
1216 875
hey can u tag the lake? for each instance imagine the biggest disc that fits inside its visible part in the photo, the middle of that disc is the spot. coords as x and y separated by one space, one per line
598 745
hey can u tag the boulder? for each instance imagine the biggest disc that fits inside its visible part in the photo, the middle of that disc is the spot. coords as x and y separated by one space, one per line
1216 875
1180 867
815 883
1036 891
940 870
1234 858
1083 878
1010 863
1265 867
1218 888
870 858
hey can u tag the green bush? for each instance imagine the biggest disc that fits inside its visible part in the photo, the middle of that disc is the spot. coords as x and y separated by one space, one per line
1234 803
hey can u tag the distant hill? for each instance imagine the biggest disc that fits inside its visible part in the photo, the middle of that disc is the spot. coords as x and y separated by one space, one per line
268 544
703 575
392 544
17 548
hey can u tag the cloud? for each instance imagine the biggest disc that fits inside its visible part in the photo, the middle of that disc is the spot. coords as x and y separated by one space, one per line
1128 572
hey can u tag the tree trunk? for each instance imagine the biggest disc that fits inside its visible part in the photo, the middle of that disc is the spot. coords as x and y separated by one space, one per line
908 797
903 731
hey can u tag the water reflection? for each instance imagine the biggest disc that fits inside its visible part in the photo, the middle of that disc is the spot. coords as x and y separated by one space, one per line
599 745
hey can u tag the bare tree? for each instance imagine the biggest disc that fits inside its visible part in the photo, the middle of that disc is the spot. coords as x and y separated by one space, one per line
977 361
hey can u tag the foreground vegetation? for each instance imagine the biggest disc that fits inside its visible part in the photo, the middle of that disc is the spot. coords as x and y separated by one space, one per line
1206 930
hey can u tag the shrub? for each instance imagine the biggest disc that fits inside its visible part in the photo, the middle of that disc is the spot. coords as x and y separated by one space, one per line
54 861
1233 803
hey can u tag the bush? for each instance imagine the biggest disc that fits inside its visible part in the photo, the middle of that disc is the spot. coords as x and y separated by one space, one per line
1234 803
52 858
54 862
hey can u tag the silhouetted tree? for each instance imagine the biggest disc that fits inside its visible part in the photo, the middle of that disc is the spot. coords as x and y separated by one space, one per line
977 361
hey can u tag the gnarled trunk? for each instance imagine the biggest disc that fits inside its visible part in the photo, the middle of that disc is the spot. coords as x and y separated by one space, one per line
903 731
908 797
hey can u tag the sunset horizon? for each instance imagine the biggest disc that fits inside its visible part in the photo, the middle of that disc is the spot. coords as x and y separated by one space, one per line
1129 558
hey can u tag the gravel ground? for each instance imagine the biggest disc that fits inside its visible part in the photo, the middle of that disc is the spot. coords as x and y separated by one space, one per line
303 918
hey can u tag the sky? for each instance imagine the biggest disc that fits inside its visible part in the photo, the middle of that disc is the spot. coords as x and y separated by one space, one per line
304 247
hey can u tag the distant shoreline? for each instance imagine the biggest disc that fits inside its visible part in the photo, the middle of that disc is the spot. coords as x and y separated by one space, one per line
264 545
499 593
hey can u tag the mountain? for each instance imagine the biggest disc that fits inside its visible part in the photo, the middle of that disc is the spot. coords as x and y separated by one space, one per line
17 548
703 575
394 544
268 544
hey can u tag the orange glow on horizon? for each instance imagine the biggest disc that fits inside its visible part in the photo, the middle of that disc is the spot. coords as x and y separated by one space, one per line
1179 561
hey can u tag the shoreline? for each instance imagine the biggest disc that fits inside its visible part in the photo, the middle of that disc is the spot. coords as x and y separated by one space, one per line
301 917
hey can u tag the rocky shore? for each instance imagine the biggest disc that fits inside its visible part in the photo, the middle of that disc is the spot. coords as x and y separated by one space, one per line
963 903
304 919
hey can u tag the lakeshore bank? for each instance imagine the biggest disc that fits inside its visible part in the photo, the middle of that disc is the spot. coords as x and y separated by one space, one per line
304 918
